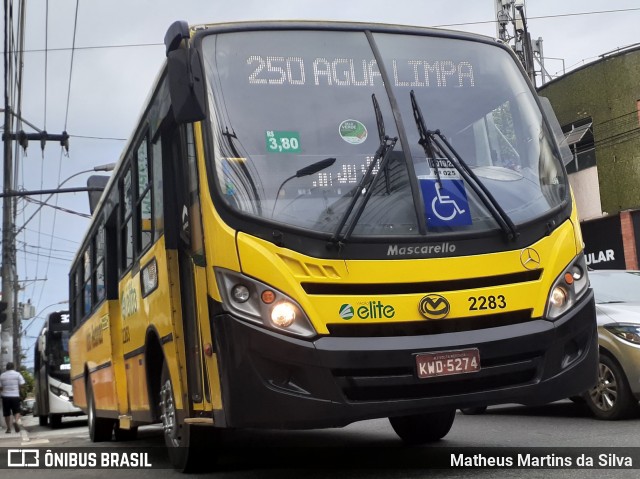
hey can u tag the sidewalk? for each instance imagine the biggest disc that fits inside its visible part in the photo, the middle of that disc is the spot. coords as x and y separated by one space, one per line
31 433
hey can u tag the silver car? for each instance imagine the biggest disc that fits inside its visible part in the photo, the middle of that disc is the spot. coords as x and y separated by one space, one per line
616 394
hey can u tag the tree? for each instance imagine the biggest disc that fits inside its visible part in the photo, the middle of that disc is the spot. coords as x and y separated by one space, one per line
29 381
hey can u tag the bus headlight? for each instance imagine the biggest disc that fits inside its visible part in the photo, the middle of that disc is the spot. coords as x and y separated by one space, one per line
59 392
259 303
568 288
283 314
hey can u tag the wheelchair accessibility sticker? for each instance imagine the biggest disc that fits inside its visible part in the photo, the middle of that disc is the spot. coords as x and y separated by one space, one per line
446 202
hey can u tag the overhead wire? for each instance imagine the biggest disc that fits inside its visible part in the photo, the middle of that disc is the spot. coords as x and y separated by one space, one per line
542 17
42 159
59 208
56 237
66 119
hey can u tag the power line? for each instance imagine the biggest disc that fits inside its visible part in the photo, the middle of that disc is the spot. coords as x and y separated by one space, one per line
66 118
47 256
478 22
46 60
542 17
73 51
53 236
98 137
97 47
27 245
59 208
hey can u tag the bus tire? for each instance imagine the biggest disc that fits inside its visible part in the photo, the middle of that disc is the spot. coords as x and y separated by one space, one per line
423 428
125 434
472 411
186 444
55 420
100 429
43 420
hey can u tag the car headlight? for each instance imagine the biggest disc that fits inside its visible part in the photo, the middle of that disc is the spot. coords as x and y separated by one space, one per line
627 332
259 303
568 288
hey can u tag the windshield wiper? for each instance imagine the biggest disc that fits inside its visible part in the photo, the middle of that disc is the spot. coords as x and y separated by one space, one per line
384 151
432 140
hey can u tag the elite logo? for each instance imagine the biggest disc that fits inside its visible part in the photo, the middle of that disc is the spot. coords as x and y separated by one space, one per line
434 306
370 310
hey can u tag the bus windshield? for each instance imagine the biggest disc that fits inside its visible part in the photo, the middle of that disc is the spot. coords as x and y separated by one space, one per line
57 347
285 100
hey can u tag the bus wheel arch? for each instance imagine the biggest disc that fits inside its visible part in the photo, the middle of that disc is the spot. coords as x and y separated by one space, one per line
100 428
186 443
154 356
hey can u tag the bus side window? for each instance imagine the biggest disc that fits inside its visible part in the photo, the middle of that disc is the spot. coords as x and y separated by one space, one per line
126 221
77 297
195 235
99 277
157 185
143 197
87 288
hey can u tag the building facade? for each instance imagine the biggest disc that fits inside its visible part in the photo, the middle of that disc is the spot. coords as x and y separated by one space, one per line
598 107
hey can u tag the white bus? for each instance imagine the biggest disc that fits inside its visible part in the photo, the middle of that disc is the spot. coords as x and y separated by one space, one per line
52 371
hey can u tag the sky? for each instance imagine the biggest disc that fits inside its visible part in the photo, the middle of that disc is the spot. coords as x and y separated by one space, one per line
96 91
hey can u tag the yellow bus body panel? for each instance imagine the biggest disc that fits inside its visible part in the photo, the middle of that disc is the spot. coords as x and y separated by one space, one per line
159 311
286 270
91 349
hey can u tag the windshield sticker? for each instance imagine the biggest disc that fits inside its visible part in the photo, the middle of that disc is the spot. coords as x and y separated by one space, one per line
353 132
282 141
445 202
441 167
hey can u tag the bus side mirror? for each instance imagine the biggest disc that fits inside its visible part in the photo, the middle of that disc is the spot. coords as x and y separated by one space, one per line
186 85
561 140
186 80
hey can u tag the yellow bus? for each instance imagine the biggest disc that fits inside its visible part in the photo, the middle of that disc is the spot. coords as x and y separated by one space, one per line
319 223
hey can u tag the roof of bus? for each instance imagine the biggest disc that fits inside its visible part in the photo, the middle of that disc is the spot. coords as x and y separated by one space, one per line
337 25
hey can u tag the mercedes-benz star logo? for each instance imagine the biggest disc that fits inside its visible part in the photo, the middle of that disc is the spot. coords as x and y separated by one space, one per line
434 306
530 259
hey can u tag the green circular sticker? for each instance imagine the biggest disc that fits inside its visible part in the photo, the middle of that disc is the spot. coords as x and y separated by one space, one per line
352 131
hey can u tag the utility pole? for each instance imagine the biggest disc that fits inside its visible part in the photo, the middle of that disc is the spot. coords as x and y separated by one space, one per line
10 328
511 13
8 250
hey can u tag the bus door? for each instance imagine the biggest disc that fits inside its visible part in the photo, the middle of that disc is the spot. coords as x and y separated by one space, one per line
184 211
113 313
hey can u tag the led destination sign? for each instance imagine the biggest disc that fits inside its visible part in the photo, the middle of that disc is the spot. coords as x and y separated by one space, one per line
416 73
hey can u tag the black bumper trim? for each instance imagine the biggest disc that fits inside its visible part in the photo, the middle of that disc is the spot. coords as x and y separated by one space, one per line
274 381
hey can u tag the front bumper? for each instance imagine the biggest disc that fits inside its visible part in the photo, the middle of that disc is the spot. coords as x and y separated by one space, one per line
274 381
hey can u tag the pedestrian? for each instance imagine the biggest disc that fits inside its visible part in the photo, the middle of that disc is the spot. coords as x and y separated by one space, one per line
10 382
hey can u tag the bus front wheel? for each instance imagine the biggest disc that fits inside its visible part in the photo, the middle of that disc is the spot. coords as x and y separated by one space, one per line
186 443
423 428
100 429
55 420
